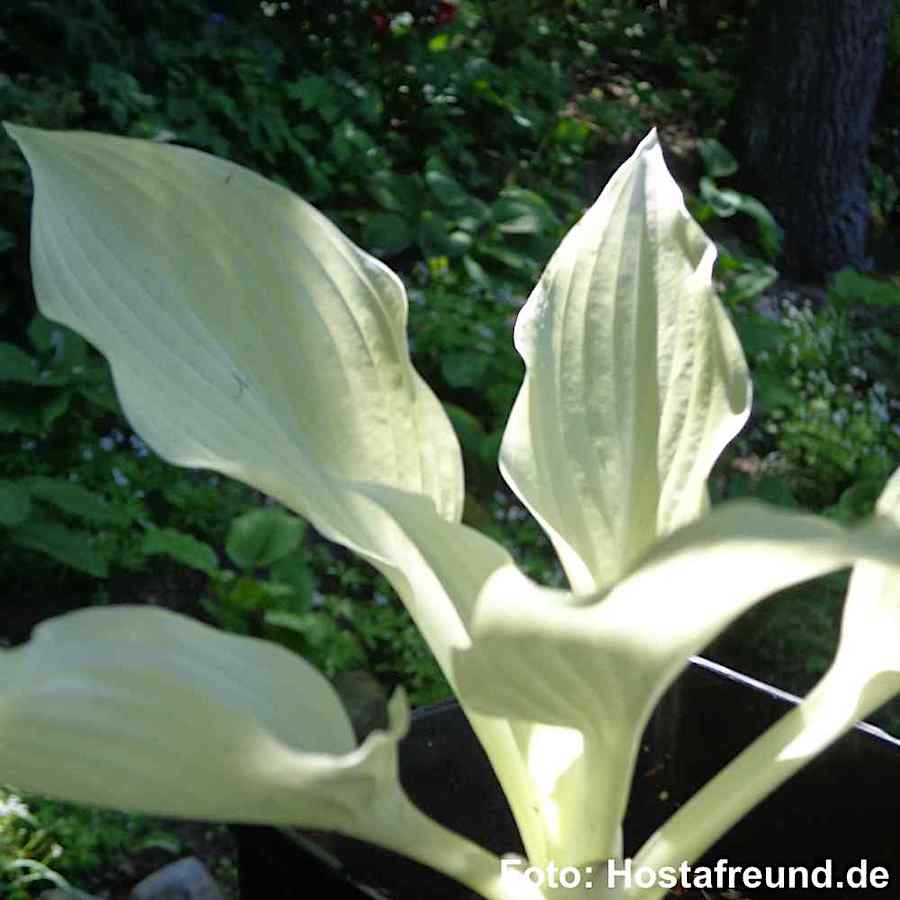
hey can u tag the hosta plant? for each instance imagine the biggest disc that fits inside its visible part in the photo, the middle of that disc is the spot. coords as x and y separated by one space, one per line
247 335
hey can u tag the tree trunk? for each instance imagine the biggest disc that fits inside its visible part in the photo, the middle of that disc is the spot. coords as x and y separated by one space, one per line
800 124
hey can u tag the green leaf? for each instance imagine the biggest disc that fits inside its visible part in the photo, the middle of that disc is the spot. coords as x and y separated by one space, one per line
103 395
312 91
73 548
247 595
397 193
16 365
75 500
387 234
724 201
717 159
465 369
856 501
759 334
774 390
776 490
262 536
515 261
294 572
754 278
854 287
14 420
468 428
68 348
448 191
770 232
476 272
322 638
519 211
53 408
183 548
15 503
439 43
435 239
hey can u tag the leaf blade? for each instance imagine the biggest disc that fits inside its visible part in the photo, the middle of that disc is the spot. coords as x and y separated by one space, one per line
640 409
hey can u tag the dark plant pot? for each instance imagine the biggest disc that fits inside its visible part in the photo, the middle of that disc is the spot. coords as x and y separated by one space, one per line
839 808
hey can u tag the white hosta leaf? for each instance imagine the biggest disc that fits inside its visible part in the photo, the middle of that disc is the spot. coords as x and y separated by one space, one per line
870 630
635 378
864 675
598 667
139 708
246 334
442 565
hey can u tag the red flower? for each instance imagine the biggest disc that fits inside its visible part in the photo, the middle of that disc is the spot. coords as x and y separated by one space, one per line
445 13
381 22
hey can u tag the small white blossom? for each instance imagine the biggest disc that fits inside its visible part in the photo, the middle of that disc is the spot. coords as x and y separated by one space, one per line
402 21
14 806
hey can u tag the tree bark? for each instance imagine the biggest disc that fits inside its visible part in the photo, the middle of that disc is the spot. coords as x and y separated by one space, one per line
800 124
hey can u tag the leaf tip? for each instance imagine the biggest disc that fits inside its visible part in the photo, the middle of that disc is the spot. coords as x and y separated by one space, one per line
650 141
398 713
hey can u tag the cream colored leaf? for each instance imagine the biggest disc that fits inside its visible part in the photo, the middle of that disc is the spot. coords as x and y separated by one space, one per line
246 333
248 336
139 708
635 378
864 675
597 667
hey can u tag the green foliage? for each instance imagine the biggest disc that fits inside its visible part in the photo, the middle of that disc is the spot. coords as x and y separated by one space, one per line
45 843
834 423
259 539
27 852
826 437
263 536
742 274
36 389
183 548
827 428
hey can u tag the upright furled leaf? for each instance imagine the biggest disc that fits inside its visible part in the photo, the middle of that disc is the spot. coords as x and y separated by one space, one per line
635 379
